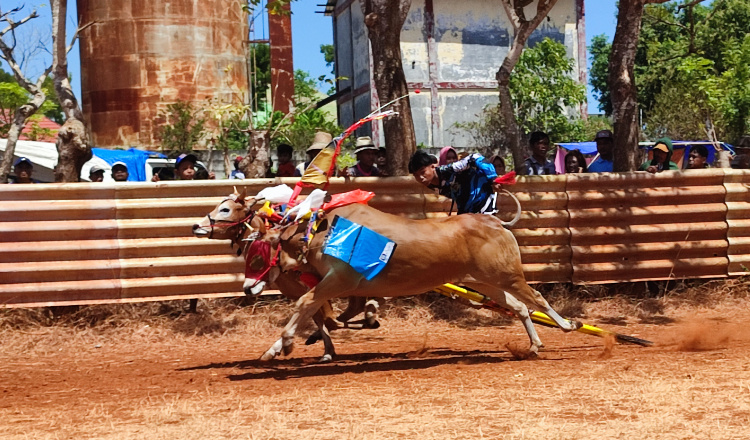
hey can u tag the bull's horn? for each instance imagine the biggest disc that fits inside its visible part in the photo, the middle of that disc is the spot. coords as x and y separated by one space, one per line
236 193
243 195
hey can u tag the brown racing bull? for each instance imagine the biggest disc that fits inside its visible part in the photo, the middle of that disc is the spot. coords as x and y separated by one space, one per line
473 250
233 219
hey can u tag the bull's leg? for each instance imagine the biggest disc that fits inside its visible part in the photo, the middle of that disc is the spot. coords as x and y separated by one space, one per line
355 307
306 307
535 300
330 351
508 301
372 308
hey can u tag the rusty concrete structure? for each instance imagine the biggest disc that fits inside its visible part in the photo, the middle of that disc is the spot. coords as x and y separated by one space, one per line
282 64
451 52
138 57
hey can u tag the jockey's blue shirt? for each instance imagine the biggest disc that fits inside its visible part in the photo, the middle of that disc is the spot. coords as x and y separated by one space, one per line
468 182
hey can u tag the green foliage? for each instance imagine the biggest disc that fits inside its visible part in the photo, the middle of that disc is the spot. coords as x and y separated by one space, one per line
600 50
299 129
543 92
13 96
542 87
232 126
691 70
184 127
260 59
329 54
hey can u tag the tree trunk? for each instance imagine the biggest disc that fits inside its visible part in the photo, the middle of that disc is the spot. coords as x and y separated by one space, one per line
255 163
523 30
72 140
384 20
20 117
622 85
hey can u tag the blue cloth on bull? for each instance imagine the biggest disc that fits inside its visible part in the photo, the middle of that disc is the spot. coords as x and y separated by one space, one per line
363 249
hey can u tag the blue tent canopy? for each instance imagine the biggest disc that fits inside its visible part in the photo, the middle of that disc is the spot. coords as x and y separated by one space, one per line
583 147
134 158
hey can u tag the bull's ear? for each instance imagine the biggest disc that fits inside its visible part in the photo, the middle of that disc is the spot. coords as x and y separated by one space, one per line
288 232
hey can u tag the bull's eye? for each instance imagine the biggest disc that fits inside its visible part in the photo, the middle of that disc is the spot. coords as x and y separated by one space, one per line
224 210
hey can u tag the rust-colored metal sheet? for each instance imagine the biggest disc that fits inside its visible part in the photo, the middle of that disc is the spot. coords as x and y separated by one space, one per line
97 243
737 184
641 226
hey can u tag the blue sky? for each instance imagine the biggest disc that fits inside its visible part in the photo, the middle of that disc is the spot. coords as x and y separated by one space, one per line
309 31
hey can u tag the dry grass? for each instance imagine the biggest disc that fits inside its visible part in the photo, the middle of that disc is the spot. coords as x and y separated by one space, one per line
691 386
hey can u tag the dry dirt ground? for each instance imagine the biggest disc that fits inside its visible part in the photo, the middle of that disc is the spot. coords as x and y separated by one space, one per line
417 377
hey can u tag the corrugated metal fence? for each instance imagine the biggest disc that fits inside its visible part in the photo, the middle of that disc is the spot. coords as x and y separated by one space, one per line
102 243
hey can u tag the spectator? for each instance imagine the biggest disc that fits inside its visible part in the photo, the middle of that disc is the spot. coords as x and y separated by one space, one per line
499 164
605 144
201 173
366 153
286 166
448 155
575 162
662 153
96 174
23 168
236 173
538 164
698 157
468 182
382 162
185 168
120 172
320 141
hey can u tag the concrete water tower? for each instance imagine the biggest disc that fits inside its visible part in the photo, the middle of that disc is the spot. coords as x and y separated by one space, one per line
139 56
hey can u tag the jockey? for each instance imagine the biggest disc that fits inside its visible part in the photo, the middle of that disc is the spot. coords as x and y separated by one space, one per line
468 182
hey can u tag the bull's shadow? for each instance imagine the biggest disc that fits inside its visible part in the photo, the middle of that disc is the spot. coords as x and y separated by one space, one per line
282 369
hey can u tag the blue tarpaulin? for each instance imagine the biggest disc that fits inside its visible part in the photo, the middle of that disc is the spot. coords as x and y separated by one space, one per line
363 249
134 158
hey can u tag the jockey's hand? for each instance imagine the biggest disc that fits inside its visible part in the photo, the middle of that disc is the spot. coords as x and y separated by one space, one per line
155 178
497 187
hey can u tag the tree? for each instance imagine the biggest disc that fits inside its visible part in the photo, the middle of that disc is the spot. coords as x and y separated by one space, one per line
621 83
329 54
24 109
384 20
260 58
542 90
73 147
183 129
523 29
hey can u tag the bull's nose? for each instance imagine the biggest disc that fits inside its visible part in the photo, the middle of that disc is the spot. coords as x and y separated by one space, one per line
195 226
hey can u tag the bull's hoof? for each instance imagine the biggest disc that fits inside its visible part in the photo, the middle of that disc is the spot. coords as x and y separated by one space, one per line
288 347
268 356
575 325
325 359
313 338
372 325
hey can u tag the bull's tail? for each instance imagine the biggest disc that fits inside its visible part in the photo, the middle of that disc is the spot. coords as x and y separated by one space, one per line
518 210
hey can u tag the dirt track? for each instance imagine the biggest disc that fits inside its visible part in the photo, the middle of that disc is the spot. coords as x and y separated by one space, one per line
409 379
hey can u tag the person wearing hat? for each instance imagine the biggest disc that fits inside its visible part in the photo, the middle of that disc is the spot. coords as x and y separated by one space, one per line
320 141
605 144
469 182
120 172
662 155
236 172
96 174
367 154
184 168
23 168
